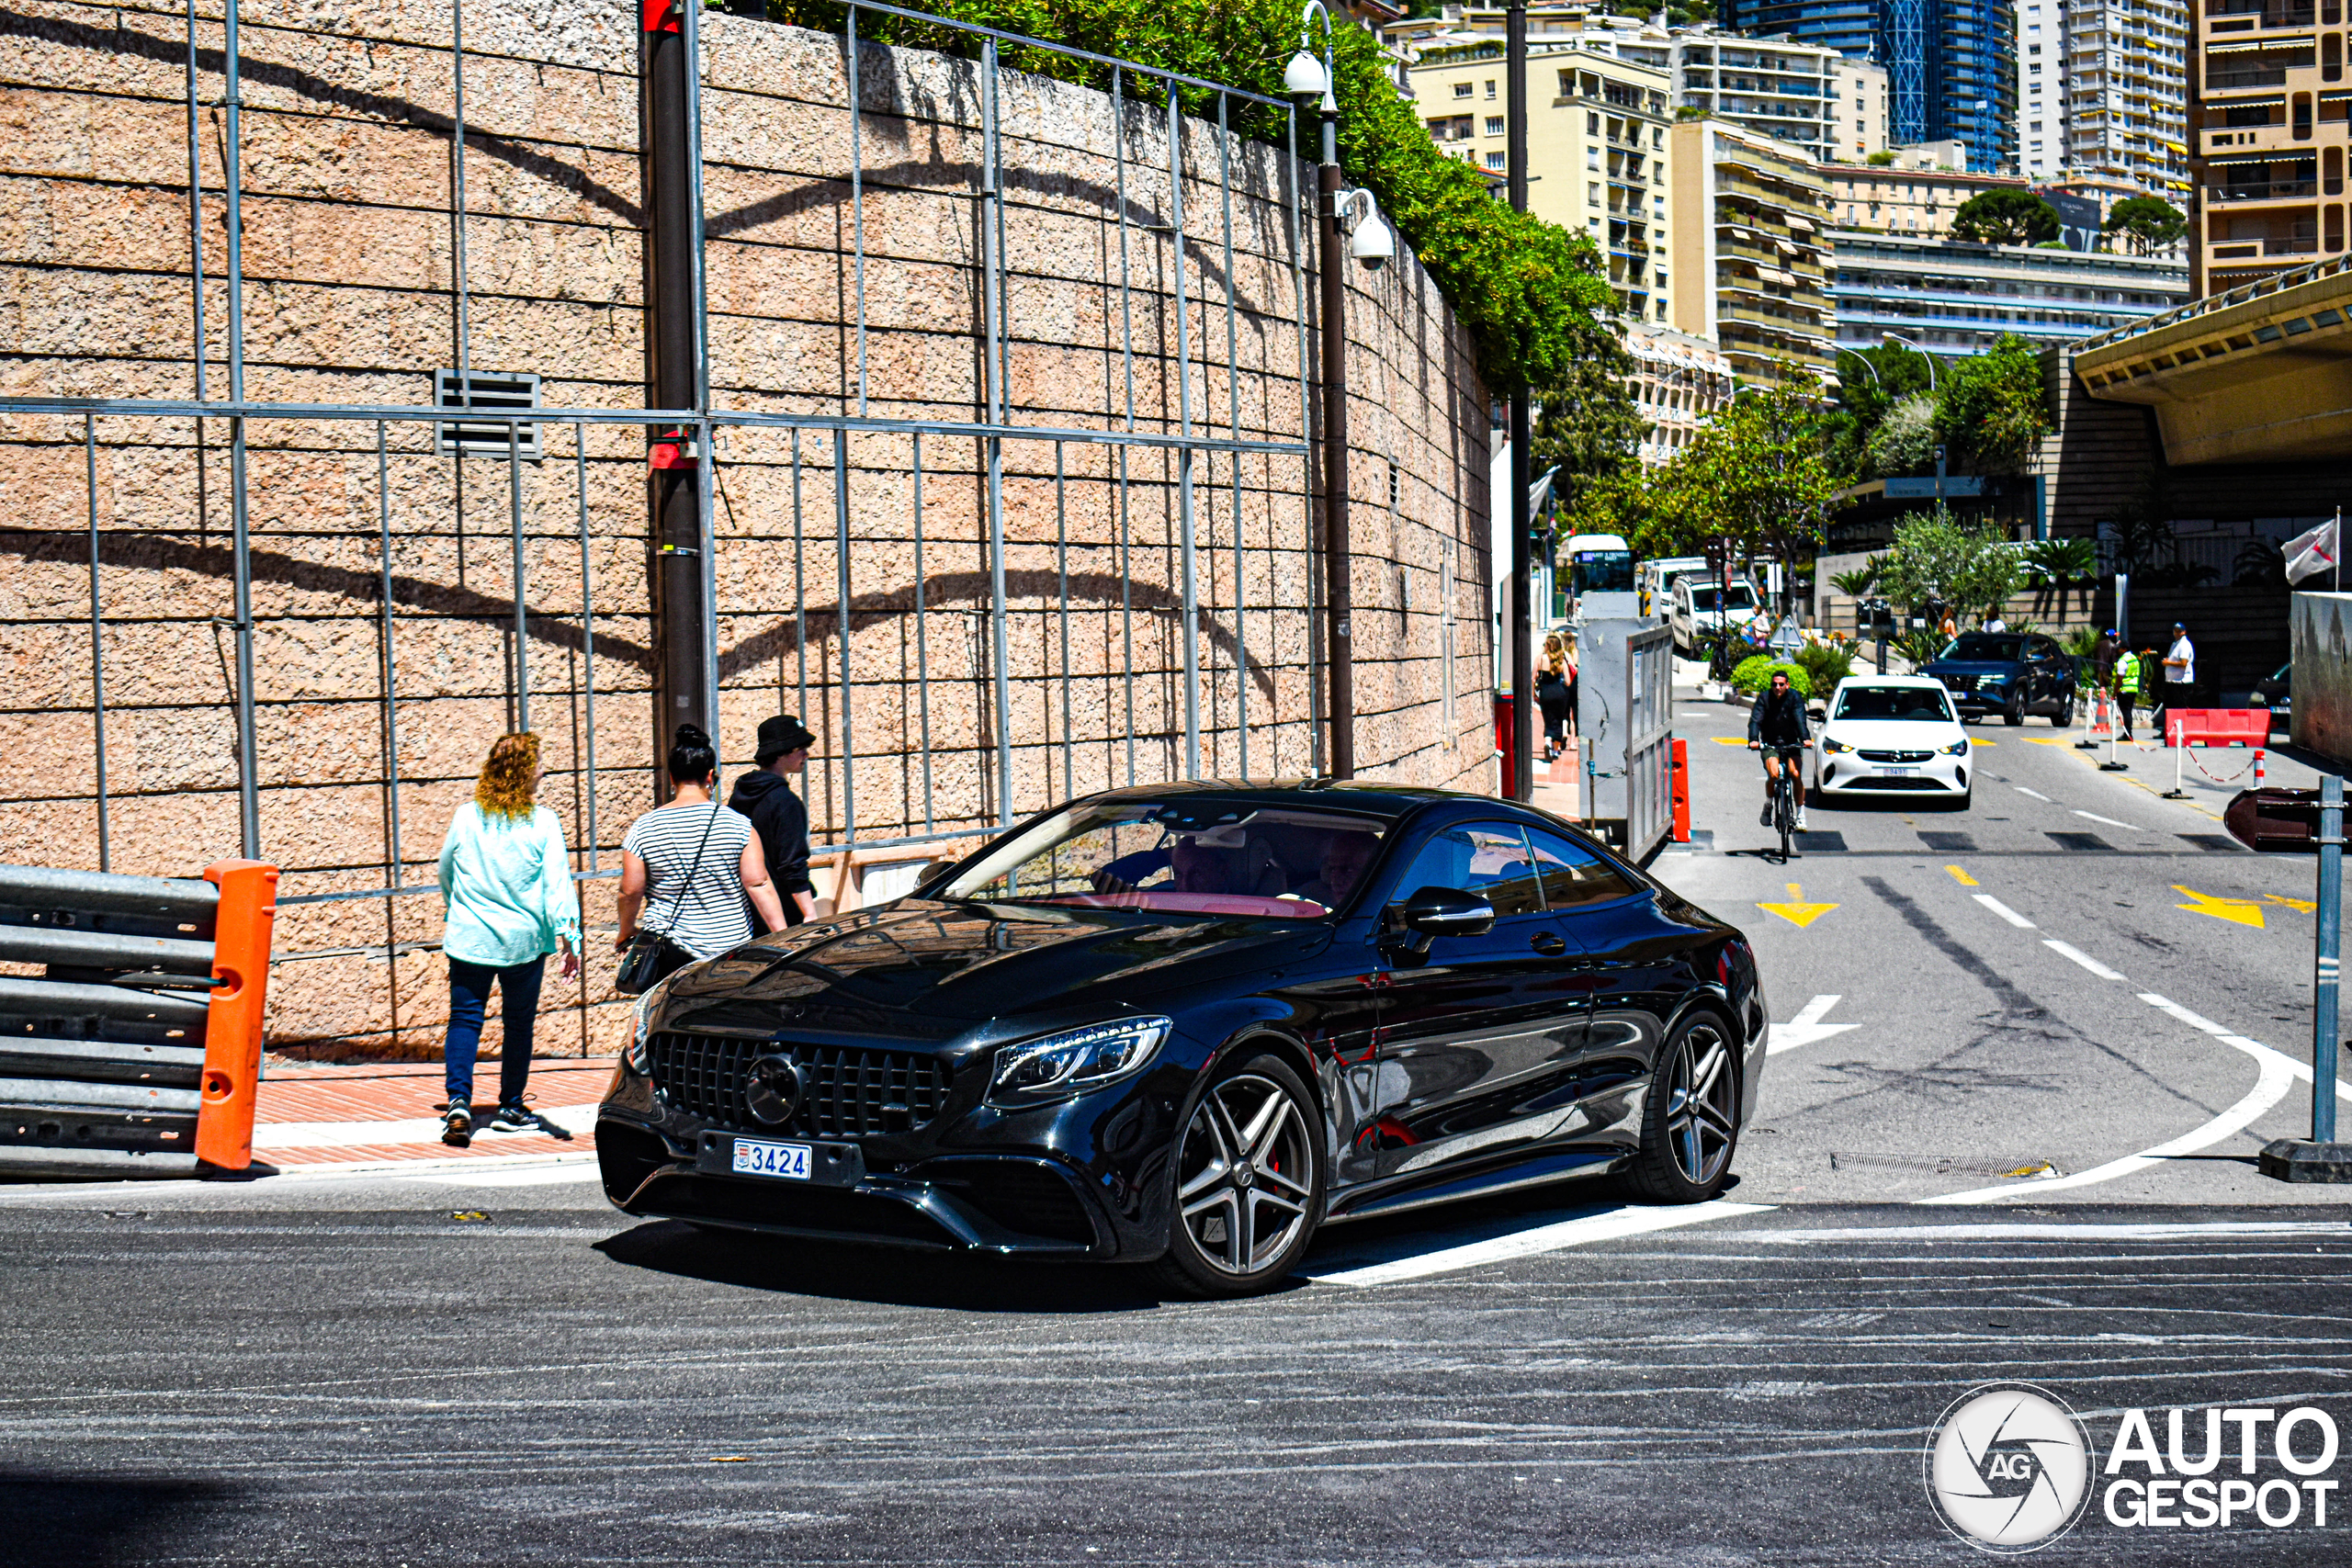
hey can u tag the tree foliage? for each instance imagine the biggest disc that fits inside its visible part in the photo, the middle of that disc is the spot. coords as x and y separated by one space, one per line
2146 223
1587 426
1992 407
1904 441
1935 558
1527 290
2005 216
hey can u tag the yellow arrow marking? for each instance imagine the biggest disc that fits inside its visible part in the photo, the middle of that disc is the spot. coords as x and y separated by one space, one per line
2305 904
1965 880
1796 911
2244 911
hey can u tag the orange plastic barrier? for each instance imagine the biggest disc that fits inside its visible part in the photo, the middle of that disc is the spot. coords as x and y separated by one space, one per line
2217 727
240 937
1681 790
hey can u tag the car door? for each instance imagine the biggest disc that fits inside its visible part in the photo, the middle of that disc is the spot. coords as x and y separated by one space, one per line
1632 971
1473 1034
2057 670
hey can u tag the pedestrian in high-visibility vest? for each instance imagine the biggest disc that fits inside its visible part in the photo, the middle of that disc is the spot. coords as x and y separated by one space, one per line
2124 683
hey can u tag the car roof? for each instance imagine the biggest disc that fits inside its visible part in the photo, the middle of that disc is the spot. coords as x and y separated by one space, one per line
1890 681
1369 797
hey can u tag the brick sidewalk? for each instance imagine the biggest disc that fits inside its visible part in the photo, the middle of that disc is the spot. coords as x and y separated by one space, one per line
390 1112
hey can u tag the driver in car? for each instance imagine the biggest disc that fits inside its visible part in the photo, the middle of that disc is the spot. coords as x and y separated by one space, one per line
1346 858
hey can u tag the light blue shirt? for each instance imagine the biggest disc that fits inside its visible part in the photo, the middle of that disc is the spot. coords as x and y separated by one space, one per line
506 887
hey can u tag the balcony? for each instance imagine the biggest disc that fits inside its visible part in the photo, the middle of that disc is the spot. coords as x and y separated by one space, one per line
2263 190
2252 16
2240 81
2240 250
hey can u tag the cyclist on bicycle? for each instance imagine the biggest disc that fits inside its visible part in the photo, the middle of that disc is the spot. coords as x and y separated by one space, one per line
1776 727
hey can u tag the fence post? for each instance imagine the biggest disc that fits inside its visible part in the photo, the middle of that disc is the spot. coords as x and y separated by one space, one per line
232 1032
2320 1157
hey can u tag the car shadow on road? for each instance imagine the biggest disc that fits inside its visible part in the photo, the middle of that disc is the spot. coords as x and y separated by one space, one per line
49 1520
886 1276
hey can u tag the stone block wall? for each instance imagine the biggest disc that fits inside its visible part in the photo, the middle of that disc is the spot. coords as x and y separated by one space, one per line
870 615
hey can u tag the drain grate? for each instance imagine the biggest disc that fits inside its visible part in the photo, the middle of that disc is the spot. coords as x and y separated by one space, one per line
1949 843
2081 843
2209 840
1821 842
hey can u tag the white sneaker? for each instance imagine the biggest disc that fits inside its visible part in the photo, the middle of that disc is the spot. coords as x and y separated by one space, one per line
1801 828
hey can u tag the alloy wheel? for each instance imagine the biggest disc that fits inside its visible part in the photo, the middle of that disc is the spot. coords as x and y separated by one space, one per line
1700 1112
1245 1173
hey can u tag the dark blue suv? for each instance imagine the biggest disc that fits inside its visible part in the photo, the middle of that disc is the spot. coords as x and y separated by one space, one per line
2009 673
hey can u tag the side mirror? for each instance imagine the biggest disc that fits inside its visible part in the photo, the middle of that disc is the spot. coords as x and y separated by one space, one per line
1447 911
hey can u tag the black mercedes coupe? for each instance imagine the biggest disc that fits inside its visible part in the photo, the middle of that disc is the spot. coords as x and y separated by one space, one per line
1188 1025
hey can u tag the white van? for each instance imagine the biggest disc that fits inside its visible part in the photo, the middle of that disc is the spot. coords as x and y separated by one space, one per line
1699 605
1655 580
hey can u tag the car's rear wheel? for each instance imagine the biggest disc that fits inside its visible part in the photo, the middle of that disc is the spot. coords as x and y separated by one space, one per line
1691 1122
1248 1182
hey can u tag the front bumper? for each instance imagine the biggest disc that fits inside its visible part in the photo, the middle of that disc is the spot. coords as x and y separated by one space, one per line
1851 773
1071 1180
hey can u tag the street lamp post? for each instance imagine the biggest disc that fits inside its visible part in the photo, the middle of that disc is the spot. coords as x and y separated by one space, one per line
1922 352
1308 77
1522 631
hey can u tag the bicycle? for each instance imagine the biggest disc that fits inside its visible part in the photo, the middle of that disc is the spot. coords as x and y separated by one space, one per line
1784 797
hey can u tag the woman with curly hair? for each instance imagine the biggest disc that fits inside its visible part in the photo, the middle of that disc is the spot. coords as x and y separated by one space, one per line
508 895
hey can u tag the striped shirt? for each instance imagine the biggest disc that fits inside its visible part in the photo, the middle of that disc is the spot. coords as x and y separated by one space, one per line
707 918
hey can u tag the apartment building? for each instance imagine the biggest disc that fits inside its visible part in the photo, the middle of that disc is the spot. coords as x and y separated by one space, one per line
1785 89
2269 132
1861 110
1950 65
2102 92
1749 250
1679 380
1960 298
1596 145
1917 196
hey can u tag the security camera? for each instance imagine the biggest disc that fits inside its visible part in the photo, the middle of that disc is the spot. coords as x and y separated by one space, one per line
1370 240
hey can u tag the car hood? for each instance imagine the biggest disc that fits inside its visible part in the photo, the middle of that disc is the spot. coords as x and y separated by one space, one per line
1972 666
929 969
1892 734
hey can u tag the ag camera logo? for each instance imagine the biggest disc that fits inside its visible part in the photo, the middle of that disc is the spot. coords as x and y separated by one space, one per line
2009 1467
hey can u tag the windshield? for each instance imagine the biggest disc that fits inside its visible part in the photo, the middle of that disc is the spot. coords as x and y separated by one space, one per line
1893 702
1185 855
1604 571
1985 646
1738 597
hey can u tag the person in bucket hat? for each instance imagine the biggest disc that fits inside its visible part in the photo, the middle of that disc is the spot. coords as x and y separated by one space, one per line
764 794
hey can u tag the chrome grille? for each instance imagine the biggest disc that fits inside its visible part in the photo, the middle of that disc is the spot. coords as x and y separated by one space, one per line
1895 756
846 1092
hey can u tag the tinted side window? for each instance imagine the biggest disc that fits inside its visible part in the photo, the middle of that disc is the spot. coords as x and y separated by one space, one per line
1572 875
1491 862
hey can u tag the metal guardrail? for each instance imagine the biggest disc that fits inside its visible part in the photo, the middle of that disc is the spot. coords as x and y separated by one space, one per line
2238 296
137 1050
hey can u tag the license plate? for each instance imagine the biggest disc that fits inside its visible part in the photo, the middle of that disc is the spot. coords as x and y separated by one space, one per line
753 1157
1898 773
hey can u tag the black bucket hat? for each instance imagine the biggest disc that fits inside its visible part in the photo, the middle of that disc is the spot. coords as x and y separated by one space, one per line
783 733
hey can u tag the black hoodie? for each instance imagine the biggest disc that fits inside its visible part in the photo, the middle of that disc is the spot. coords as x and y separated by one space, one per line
783 824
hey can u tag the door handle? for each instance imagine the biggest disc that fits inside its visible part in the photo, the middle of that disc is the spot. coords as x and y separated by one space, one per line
1548 944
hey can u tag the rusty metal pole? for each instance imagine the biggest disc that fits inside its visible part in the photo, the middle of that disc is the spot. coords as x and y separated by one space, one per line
1522 565
1338 551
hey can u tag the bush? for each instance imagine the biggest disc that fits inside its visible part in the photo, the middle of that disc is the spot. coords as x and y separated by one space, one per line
1755 673
1824 664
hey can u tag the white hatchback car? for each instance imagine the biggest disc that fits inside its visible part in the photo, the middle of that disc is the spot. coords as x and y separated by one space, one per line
1892 735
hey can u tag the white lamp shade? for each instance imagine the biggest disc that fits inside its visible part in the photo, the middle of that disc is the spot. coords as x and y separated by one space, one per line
1303 77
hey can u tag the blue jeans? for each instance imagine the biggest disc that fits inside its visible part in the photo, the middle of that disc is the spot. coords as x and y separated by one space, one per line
518 996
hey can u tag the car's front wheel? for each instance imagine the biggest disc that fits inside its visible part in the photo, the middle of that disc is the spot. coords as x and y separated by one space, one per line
1248 1182
2065 717
2014 714
1691 1122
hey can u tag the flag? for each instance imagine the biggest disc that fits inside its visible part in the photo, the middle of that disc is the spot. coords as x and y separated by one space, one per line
2314 552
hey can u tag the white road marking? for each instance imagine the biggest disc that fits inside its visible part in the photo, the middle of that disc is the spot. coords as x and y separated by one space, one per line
2003 911
2076 954
2035 792
513 1176
2012 1230
2252 1047
2110 821
1604 1225
2267 1091
1806 1028
412 1130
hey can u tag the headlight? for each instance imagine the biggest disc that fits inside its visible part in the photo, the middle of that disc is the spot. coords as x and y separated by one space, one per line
1957 749
1992 680
1064 1065
1834 747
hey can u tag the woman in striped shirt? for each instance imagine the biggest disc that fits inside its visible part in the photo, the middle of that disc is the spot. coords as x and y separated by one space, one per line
687 867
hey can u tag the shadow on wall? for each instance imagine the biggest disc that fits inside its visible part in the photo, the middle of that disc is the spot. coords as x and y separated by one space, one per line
2322 657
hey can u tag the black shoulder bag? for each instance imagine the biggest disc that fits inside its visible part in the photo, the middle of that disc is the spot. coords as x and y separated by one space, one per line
651 956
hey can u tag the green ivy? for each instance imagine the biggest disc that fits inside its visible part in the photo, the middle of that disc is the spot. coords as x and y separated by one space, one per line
1528 291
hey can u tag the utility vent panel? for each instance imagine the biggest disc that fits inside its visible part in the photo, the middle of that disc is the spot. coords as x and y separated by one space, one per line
489 390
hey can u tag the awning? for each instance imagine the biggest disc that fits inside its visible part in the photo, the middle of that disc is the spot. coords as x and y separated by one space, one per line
1785 279
1797 222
